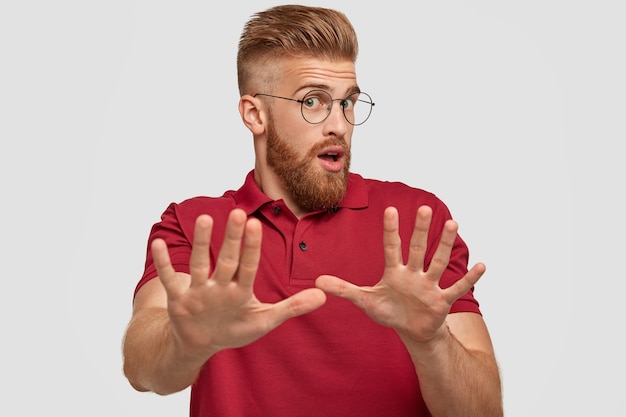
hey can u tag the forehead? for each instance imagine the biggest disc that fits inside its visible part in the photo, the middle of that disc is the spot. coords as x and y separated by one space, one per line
301 73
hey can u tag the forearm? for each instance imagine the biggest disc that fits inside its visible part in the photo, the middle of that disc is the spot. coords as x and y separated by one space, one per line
455 381
151 360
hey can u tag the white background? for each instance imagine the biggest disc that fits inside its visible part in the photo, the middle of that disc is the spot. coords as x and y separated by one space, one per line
512 112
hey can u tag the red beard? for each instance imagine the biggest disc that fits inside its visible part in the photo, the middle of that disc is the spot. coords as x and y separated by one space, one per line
311 188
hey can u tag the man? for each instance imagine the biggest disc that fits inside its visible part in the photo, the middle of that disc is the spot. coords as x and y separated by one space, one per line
291 296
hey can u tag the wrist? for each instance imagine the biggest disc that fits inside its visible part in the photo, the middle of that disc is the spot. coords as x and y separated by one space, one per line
426 349
189 355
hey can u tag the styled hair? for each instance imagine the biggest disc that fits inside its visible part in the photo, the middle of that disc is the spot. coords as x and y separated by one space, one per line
291 31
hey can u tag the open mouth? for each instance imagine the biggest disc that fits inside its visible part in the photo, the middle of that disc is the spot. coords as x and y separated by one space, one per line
331 153
330 156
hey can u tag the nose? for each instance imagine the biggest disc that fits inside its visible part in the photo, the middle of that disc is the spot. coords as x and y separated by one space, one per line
336 123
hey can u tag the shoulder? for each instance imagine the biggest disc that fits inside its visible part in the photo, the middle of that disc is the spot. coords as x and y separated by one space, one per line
248 197
397 192
405 198
225 202
189 209
178 221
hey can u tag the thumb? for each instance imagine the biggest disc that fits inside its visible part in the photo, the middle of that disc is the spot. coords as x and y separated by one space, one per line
298 304
336 286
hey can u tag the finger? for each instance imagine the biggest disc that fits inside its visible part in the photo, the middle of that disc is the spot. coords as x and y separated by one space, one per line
442 255
164 267
456 290
391 238
419 239
200 264
298 304
251 253
340 288
228 258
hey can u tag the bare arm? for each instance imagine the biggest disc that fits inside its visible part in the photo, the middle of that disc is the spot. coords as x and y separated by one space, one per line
452 353
151 362
179 320
455 379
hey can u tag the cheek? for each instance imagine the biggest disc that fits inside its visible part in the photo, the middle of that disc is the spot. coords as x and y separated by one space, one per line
348 135
301 142
298 134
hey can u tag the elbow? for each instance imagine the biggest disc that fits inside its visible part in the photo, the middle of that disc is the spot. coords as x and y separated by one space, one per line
145 384
132 378
140 386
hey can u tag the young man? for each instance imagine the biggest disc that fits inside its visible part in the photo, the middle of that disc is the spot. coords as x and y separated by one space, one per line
291 296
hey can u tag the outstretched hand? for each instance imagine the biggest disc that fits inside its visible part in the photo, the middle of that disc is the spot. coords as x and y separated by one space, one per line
408 297
208 314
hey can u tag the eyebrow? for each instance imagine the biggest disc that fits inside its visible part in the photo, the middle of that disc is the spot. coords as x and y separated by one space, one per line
325 87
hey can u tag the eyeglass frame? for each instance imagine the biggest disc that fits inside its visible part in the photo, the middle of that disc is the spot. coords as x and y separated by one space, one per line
343 110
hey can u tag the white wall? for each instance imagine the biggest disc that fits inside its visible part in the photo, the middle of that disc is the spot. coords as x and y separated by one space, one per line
512 112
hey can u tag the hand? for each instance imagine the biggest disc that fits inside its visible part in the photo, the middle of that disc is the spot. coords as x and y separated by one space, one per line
208 314
408 298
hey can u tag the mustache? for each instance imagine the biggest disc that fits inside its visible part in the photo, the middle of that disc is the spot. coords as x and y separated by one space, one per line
316 149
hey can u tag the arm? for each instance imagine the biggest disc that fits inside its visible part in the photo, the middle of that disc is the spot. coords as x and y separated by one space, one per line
457 370
180 320
150 360
452 353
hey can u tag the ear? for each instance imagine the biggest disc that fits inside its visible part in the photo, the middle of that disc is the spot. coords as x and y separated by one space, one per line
253 114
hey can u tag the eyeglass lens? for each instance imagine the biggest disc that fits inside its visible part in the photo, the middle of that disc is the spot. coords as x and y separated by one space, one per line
317 104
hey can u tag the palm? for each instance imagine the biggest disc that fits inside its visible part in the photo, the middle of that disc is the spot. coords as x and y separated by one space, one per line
408 298
208 314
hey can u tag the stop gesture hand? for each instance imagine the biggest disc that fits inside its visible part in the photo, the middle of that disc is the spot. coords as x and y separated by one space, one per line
208 314
408 297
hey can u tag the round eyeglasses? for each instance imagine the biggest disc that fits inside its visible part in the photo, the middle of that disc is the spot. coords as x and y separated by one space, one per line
316 106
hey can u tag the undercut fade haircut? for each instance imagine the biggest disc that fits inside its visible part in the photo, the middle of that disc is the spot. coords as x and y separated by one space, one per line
291 31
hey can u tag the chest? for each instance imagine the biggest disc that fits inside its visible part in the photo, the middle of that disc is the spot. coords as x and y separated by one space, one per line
347 244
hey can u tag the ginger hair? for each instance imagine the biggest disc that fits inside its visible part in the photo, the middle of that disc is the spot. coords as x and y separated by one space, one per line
290 31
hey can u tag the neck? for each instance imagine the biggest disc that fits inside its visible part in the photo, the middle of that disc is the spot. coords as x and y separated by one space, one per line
272 187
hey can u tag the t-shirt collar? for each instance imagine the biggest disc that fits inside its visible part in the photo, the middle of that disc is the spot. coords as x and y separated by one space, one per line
250 198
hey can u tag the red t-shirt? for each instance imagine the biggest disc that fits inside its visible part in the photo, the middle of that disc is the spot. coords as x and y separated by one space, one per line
334 361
